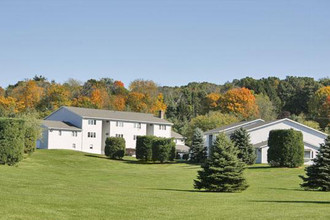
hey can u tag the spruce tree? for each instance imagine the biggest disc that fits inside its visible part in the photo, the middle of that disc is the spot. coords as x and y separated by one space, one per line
198 150
222 171
318 174
241 140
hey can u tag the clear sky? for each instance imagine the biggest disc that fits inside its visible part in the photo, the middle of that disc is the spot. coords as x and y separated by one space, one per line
172 42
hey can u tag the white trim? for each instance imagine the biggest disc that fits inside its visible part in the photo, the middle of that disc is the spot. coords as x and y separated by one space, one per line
289 120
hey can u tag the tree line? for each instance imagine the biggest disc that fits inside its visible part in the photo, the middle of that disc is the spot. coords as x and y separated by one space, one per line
203 105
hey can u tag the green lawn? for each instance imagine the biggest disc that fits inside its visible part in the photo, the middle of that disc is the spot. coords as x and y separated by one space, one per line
54 184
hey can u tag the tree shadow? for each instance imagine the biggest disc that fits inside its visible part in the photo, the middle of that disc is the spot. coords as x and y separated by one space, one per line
259 167
288 189
178 190
97 156
293 201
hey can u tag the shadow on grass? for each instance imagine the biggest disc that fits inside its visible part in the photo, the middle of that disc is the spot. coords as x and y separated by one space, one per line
259 167
293 201
288 189
181 190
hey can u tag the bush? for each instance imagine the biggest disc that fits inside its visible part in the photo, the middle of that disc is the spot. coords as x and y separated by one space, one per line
115 147
144 147
163 149
286 148
11 140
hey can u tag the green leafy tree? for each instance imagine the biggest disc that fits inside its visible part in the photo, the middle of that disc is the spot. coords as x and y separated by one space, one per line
223 171
197 149
241 140
318 174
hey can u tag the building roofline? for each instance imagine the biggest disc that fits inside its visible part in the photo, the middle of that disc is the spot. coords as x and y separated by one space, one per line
232 127
287 119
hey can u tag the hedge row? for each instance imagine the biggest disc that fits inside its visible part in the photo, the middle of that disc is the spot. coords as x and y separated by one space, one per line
17 137
151 148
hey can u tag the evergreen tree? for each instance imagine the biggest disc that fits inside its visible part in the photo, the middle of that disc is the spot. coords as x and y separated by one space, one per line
222 171
198 150
241 140
318 174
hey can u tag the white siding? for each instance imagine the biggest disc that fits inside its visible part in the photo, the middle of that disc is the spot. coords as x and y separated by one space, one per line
88 142
128 131
63 141
162 133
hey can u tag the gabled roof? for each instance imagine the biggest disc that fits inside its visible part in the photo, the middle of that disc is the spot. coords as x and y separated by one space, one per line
60 125
182 148
228 128
176 135
117 115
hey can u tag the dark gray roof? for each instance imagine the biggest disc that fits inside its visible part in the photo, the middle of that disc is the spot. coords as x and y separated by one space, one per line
230 128
182 148
117 115
176 135
59 125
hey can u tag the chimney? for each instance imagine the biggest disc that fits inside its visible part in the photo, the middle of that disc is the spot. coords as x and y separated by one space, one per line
161 114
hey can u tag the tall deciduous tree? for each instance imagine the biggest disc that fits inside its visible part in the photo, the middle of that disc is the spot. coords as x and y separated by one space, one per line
319 106
223 171
246 151
197 149
241 102
318 174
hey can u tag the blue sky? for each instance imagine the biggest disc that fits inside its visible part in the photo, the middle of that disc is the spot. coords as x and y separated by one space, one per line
170 42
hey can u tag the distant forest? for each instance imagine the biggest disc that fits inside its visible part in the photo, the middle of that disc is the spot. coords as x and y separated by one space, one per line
204 105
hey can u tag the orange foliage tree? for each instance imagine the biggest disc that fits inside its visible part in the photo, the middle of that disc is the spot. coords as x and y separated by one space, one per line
100 98
84 102
239 101
119 102
29 93
56 96
159 104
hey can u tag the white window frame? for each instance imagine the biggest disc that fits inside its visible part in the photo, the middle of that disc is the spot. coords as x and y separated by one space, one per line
162 127
137 125
91 121
120 135
59 133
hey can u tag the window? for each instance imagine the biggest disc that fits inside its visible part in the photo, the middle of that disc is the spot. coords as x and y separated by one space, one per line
119 124
162 127
91 146
73 145
60 133
92 122
307 154
74 133
120 135
134 137
137 125
91 134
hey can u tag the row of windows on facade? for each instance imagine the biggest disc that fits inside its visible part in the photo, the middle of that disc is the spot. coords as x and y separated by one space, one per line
90 146
74 133
121 124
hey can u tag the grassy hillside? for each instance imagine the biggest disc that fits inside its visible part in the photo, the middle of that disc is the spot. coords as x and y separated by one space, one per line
72 185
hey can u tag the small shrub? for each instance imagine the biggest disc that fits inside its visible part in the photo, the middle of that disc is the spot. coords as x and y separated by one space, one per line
162 149
144 147
115 147
286 148
11 140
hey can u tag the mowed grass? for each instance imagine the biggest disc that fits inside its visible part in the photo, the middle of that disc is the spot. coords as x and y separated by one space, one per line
57 184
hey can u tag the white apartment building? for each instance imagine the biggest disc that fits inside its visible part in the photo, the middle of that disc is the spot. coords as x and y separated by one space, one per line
86 130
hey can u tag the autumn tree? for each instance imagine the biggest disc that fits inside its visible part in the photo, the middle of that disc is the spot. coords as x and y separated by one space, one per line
56 96
29 93
118 102
267 110
212 102
136 102
100 98
319 106
10 106
159 104
2 92
241 102
83 102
